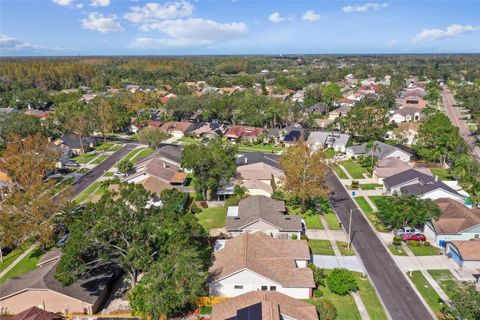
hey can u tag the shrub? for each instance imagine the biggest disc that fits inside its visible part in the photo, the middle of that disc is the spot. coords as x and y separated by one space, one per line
232 201
325 309
355 184
303 237
427 244
195 209
397 241
318 275
203 204
341 282
317 293
414 243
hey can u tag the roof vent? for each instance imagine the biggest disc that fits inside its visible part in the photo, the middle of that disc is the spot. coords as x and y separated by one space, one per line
288 218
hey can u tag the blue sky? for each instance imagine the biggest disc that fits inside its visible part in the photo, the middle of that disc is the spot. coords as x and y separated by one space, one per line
137 27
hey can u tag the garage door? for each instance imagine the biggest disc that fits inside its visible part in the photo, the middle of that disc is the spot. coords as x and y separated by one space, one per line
456 257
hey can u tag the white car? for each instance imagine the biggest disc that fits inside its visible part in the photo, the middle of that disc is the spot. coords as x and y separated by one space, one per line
119 174
406 230
340 156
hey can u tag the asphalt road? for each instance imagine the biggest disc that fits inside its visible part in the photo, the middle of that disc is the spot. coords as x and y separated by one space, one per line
86 180
456 119
395 291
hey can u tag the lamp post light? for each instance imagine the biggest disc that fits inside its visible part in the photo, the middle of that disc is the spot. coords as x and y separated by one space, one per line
350 228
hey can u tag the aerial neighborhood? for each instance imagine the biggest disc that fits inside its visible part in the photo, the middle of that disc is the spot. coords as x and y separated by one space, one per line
274 187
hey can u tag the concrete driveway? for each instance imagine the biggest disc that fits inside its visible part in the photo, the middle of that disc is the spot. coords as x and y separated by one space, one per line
330 262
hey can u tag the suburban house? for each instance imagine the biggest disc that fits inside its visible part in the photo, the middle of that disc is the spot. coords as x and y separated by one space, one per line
406 131
320 140
40 288
159 171
263 214
414 182
293 133
71 144
344 102
318 108
388 167
264 305
244 133
378 149
339 112
466 254
259 173
210 130
258 262
33 313
414 101
178 129
406 114
456 222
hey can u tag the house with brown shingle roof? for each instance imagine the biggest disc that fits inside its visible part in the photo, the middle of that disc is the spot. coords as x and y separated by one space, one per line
456 222
263 214
258 262
244 133
466 254
178 129
265 305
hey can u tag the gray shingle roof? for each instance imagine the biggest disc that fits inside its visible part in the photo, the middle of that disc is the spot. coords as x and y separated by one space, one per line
382 150
255 157
256 208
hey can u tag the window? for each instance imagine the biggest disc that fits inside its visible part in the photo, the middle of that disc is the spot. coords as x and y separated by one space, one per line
273 288
476 236
238 287
264 288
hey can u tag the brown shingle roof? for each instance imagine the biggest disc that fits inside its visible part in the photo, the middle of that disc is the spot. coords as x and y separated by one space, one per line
455 217
182 126
273 303
269 257
35 313
256 208
155 185
244 131
470 250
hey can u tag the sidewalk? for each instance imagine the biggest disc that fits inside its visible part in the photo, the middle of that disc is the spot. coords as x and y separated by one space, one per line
19 258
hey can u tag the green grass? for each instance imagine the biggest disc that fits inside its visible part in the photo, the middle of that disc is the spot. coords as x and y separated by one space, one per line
445 279
342 245
132 153
367 209
108 174
354 168
14 254
428 293
265 148
369 186
104 146
211 218
88 191
100 158
332 221
313 221
321 247
205 310
116 147
363 204
376 199
85 158
143 154
370 299
395 251
345 305
339 171
28 263
442 174
424 251
329 153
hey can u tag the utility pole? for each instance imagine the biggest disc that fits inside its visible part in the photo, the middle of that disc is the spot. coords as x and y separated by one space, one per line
350 228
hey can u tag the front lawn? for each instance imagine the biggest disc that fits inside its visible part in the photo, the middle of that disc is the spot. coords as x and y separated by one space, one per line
100 158
85 158
376 199
313 221
88 191
332 221
445 279
14 254
342 245
329 153
28 263
370 299
354 168
132 153
104 146
369 186
212 218
428 293
424 250
367 209
397 251
143 154
321 247
441 173
340 173
363 204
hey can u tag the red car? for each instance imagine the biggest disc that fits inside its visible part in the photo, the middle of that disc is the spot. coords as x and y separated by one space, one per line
413 237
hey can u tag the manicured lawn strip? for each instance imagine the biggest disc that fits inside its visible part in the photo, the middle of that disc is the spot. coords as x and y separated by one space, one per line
395 251
428 293
116 147
313 221
14 254
211 218
329 153
266 148
28 263
105 146
355 169
133 153
85 158
332 221
424 251
369 186
143 154
342 245
339 171
100 159
108 174
441 173
91 188
370 298
363 204
445 279
321 247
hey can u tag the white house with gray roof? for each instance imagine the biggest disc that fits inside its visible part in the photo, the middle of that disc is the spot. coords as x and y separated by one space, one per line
378 149
323 139
263 214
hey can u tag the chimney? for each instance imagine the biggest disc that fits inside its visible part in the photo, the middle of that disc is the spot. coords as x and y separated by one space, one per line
435 177
164 164
246 159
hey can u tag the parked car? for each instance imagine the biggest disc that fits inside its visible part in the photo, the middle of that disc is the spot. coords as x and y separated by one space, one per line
413 237
404 230
340 156
119 174
72 164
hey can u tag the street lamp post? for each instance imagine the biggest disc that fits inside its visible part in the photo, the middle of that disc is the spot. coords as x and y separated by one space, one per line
350 229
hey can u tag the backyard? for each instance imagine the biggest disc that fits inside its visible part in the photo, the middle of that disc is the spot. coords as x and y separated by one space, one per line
321 247
441 173
212 218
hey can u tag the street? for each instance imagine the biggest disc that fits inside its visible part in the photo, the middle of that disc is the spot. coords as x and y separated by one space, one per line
456 119
87 179
394 290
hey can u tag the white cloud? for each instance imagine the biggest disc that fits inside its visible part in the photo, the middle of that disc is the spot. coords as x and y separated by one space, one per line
8 42
104 24
63 2
364 7
191 32
391 43
153 11
276 18
310 15
452 31
100 3
79 6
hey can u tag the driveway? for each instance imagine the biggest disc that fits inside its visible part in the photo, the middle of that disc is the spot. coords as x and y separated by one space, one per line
399 298
87 179
330 262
